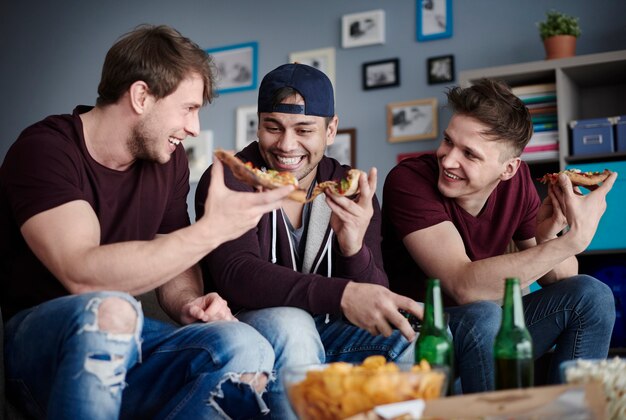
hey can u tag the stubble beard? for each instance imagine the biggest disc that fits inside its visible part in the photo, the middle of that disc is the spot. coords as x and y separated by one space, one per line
139 145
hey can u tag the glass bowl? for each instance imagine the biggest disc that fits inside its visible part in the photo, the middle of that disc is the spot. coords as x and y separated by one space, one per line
339 390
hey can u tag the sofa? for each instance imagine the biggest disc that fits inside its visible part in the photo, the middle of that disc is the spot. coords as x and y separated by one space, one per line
8 411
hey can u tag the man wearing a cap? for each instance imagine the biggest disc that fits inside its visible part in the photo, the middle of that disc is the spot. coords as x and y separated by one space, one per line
309 277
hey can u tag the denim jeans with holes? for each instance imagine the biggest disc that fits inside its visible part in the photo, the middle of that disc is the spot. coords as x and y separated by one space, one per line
60 365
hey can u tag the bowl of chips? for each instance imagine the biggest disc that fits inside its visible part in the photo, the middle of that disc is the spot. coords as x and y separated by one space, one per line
340 390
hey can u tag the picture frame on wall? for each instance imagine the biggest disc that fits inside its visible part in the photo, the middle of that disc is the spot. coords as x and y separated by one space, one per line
440 69
199 152
412 120
365 28
434 19
344 147
381 74
247 123
322 59
236 66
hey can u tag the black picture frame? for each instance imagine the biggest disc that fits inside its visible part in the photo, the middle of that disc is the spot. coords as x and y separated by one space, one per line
381 74
440 69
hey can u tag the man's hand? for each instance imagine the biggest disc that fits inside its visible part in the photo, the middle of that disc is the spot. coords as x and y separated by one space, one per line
375 309
583 212
350 219
210 307
550 217
229 214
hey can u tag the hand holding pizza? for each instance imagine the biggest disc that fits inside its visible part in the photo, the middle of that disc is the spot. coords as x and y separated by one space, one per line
583 212
550 218
229 214
351 218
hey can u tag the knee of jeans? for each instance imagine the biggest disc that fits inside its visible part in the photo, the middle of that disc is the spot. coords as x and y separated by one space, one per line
294 337
117 317
597 295
483 317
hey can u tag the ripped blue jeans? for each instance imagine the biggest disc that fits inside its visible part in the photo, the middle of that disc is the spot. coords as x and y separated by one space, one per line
60 365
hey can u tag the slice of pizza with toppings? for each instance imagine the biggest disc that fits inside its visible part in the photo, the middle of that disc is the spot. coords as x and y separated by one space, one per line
589 179
260 178
345 187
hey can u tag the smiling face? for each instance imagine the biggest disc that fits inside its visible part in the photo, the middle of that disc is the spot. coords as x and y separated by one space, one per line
168 121
470 164
295 142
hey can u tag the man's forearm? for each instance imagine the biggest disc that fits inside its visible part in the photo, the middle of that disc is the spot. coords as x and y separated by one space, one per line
139 266
484 279
179 291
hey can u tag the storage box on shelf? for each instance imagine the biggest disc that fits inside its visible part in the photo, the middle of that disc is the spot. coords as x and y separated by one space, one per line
620 133
592 136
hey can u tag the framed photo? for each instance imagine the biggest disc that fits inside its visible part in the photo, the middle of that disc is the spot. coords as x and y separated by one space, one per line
440 69
366 28
381 74
322 59
413 120
236 67
199 154
247 123
434 19
344 147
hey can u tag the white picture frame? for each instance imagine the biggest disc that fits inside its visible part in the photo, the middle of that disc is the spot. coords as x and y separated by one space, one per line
361 29
247 123
322 59
199 154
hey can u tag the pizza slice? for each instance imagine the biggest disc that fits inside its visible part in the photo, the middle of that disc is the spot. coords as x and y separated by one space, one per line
255 177
345 187
589 180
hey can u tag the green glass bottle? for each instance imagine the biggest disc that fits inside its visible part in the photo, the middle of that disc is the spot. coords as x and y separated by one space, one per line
513 348
434 343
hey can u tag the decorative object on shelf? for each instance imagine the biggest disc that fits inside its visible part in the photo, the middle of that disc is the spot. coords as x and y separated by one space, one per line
322 59
434 19
559 32
412 120
247 123
440 69
344 147
381 74
199 154
365 28
236 67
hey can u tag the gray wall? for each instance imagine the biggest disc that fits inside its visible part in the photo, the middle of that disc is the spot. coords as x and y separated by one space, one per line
52 52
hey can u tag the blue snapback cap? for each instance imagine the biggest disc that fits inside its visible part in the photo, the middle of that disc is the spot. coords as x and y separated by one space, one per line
312 84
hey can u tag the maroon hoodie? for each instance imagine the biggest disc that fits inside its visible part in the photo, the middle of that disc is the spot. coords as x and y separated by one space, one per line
251 273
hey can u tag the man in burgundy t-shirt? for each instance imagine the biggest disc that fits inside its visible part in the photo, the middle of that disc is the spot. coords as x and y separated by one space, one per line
451 215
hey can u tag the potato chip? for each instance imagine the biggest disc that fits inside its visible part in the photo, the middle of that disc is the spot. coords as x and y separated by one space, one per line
342 390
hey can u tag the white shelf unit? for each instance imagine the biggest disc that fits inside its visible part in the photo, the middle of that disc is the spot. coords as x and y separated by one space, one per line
587 86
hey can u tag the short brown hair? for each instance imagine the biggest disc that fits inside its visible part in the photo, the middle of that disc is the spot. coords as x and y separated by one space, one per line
492 103
157 55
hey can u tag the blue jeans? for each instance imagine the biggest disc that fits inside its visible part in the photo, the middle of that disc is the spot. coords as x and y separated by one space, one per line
61 366
575 316
299 339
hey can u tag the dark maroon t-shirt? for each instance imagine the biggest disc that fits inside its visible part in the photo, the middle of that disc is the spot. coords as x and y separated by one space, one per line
48 166
412 201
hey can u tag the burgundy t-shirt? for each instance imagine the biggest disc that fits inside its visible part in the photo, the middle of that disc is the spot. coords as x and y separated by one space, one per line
48 166
412 201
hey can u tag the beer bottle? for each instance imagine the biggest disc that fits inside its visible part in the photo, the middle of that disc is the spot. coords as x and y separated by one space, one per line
434 343
513 348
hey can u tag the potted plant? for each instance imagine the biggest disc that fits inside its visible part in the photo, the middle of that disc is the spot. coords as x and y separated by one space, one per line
559 32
